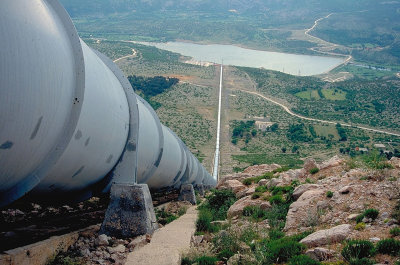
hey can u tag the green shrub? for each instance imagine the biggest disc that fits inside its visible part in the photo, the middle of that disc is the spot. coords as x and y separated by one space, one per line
276 199
314 170
248 235
182 210
360 226
261 189
329 194
186 261
363 261
303 260
255 212
358 249
388 246
203 223
256 195
359 218
280 250
218 202
275 234
395 231
247 181
371 213
206 260
226 244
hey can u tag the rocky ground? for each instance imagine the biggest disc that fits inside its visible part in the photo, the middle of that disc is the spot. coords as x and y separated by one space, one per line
326 201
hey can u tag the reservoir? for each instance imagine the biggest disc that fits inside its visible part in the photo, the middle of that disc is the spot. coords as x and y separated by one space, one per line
295 64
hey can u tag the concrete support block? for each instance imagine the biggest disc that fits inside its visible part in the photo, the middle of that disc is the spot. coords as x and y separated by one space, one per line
130 212
187 194
200 189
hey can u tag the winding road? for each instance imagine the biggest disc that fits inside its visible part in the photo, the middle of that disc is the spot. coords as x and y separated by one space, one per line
126 56
317 120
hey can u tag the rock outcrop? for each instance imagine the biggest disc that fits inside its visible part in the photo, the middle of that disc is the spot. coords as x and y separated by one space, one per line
329 236
237 208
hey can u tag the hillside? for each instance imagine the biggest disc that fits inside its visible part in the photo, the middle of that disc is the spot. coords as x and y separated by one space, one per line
341 211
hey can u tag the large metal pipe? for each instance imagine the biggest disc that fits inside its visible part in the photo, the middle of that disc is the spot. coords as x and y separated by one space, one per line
65 120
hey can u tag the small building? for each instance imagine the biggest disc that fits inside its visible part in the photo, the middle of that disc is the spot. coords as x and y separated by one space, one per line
380 146
263 125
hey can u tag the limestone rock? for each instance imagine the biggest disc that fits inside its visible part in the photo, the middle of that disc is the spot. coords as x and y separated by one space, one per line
345 190
352 217
245 192
333 162
303 212
241 259
263 182
274 182
101 240
303 188
237 208
234 185
309 164
258 170
328 236
117 249
320 254
395 162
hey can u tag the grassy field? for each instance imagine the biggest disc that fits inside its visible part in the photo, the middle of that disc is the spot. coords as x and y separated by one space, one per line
334 94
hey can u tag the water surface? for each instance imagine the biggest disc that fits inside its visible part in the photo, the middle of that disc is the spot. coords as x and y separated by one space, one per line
294 64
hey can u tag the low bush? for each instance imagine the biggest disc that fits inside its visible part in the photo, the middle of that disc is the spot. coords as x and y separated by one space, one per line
203 260
275 234
358 249
281 250
371 213
303 260
226 244
276 199
395 231
360 226
261 189
314 170
218 202
388 246
256 195
329 194
255 212
247 181
203 223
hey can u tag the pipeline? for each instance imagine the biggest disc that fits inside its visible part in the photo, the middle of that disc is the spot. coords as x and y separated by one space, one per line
69 118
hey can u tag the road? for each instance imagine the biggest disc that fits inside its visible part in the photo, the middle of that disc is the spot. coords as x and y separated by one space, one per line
126 56
318 120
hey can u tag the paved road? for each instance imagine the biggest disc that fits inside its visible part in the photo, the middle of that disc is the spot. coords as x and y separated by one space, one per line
167 243
318 120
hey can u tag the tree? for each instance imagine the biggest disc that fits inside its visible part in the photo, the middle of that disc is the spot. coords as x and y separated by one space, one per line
283 149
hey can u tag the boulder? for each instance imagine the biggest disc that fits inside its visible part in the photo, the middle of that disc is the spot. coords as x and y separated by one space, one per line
309 164
274 182
395 162
303 188
241 259
333 162
195 241
320 254
237 208
329 236
101 240
233 184
303 212
117 249
263 182
345 190
259 170
246 192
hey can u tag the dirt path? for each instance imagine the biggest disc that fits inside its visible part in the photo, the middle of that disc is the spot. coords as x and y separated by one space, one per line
318 120
134 53
167 243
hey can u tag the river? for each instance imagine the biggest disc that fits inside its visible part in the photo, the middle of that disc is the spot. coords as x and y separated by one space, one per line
295 64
